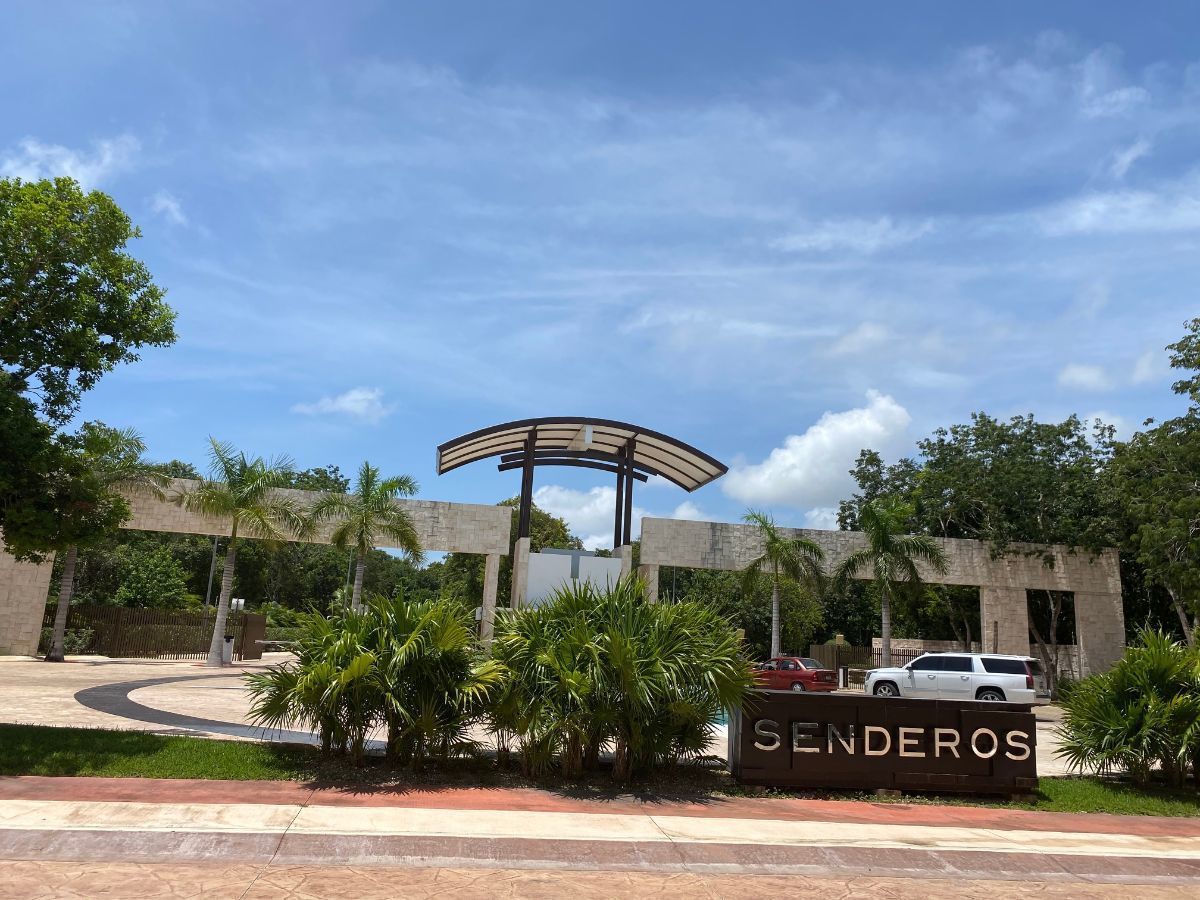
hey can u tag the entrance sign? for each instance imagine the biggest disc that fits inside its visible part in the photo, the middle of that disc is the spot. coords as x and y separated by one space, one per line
785 739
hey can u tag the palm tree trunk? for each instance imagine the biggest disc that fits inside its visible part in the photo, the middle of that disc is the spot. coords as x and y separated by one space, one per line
215 649
65 589
885 611
1189 632
356 597
775 616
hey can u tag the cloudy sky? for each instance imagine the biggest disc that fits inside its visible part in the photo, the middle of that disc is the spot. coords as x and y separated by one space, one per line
780 231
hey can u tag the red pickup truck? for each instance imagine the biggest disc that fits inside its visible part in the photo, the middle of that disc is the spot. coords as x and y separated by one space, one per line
794 673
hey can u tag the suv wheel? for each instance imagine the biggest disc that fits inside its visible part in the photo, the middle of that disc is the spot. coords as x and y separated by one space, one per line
991 695
798 687
886 689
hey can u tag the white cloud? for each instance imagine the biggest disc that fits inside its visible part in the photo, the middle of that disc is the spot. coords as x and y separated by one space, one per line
854 235
1150 366
822 517
362 403
167 205
859 339
1084 378
689 511
813 469
589 513
1124 159
34 160
1175 207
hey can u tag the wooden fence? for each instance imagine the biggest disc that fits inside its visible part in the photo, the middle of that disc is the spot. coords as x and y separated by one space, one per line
119 631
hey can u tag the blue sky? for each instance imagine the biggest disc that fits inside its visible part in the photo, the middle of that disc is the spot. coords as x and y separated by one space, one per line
780 231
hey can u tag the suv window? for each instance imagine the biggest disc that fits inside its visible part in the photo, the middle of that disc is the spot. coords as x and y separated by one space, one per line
957 664
1003 666
928 664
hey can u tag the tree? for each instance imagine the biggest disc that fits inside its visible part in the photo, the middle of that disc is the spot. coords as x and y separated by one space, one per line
891 557
245 491
1155 482
782 558
73 304
113 463
367 515
150 578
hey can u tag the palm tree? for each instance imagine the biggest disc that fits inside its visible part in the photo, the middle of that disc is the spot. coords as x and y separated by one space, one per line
891 556
797 559
113 460
366 516
245 492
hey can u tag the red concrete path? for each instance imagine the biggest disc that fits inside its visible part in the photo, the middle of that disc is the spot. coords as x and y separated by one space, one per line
148 790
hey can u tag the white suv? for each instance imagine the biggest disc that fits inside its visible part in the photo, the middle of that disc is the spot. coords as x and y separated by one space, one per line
963 676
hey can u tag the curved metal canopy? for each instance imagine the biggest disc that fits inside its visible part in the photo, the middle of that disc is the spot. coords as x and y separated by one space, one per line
598 443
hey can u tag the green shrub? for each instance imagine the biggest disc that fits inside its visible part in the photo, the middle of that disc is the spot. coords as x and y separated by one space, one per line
411 667
1142 715
75 641
592 668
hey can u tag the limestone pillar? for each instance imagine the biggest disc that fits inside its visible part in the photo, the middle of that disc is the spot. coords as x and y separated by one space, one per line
23 589
491 577
520 572
1004 620
1100 630
649 574
625 554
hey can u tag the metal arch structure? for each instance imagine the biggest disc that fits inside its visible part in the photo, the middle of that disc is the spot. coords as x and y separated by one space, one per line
631 452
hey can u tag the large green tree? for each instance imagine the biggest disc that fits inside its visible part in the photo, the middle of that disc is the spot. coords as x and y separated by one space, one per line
367 516
246 492
1155 482
113 464
891 558
781 559
73 304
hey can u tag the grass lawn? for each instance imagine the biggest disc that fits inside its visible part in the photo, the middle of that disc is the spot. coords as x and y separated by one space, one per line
41 750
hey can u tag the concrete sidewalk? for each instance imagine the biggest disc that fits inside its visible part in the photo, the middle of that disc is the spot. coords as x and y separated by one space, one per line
281 839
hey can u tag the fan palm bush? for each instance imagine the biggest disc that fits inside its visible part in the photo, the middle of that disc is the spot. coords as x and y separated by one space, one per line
1141 715
597 667
411 668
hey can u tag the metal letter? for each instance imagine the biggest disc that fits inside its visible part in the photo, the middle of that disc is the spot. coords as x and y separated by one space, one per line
767 733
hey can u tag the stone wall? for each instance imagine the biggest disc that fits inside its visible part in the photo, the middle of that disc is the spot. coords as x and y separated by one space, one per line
1095 580
449 527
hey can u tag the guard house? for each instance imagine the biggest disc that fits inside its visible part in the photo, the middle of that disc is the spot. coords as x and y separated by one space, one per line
629 452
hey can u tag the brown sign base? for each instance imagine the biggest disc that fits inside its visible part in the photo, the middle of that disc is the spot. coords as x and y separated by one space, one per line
785 739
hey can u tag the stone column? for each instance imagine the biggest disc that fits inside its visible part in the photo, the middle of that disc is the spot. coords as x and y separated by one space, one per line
520 572
23 589
625 554
649 574
1004 616
1100 630
491 577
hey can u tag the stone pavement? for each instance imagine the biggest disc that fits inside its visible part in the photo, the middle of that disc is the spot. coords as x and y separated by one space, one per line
173 697
135 837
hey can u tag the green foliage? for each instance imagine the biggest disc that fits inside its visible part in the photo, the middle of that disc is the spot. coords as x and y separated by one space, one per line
1142 715
75 640
1185 355
410 667
999 482
74 303
591 668
150 579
